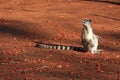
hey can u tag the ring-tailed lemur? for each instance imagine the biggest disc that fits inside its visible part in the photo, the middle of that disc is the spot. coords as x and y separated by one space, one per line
89 39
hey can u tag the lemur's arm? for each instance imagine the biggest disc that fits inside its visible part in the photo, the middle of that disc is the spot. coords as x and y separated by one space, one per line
100 38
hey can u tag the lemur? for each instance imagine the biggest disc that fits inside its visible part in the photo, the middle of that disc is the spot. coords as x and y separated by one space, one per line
89 41
88 38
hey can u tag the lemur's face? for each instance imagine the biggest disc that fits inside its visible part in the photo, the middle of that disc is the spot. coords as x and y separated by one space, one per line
86 22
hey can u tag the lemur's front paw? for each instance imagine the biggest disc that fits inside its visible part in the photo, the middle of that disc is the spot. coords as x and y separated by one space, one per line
92 45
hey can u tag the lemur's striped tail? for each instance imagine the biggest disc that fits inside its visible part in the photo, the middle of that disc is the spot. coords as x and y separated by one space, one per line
59 47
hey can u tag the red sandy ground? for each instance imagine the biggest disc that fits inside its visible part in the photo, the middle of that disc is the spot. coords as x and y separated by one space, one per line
57 22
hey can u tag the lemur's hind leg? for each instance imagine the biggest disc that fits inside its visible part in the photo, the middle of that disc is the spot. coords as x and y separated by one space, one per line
97 51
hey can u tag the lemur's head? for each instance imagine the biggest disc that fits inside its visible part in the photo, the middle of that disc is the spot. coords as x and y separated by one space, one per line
86 22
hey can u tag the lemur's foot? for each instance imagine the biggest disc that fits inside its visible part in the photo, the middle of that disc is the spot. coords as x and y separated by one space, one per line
97 51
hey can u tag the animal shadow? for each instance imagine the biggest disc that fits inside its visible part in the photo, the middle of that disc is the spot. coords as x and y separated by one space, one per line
105 1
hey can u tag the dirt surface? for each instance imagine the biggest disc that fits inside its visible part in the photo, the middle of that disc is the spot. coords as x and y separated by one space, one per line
58 22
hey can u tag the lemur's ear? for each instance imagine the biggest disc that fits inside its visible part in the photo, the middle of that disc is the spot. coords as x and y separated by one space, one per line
90 20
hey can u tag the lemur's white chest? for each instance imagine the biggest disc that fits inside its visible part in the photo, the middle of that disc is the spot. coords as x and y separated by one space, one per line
90 34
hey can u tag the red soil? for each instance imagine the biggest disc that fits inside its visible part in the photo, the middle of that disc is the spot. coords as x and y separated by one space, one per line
57 22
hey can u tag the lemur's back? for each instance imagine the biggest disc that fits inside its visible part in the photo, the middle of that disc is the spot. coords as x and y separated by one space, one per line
84 38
